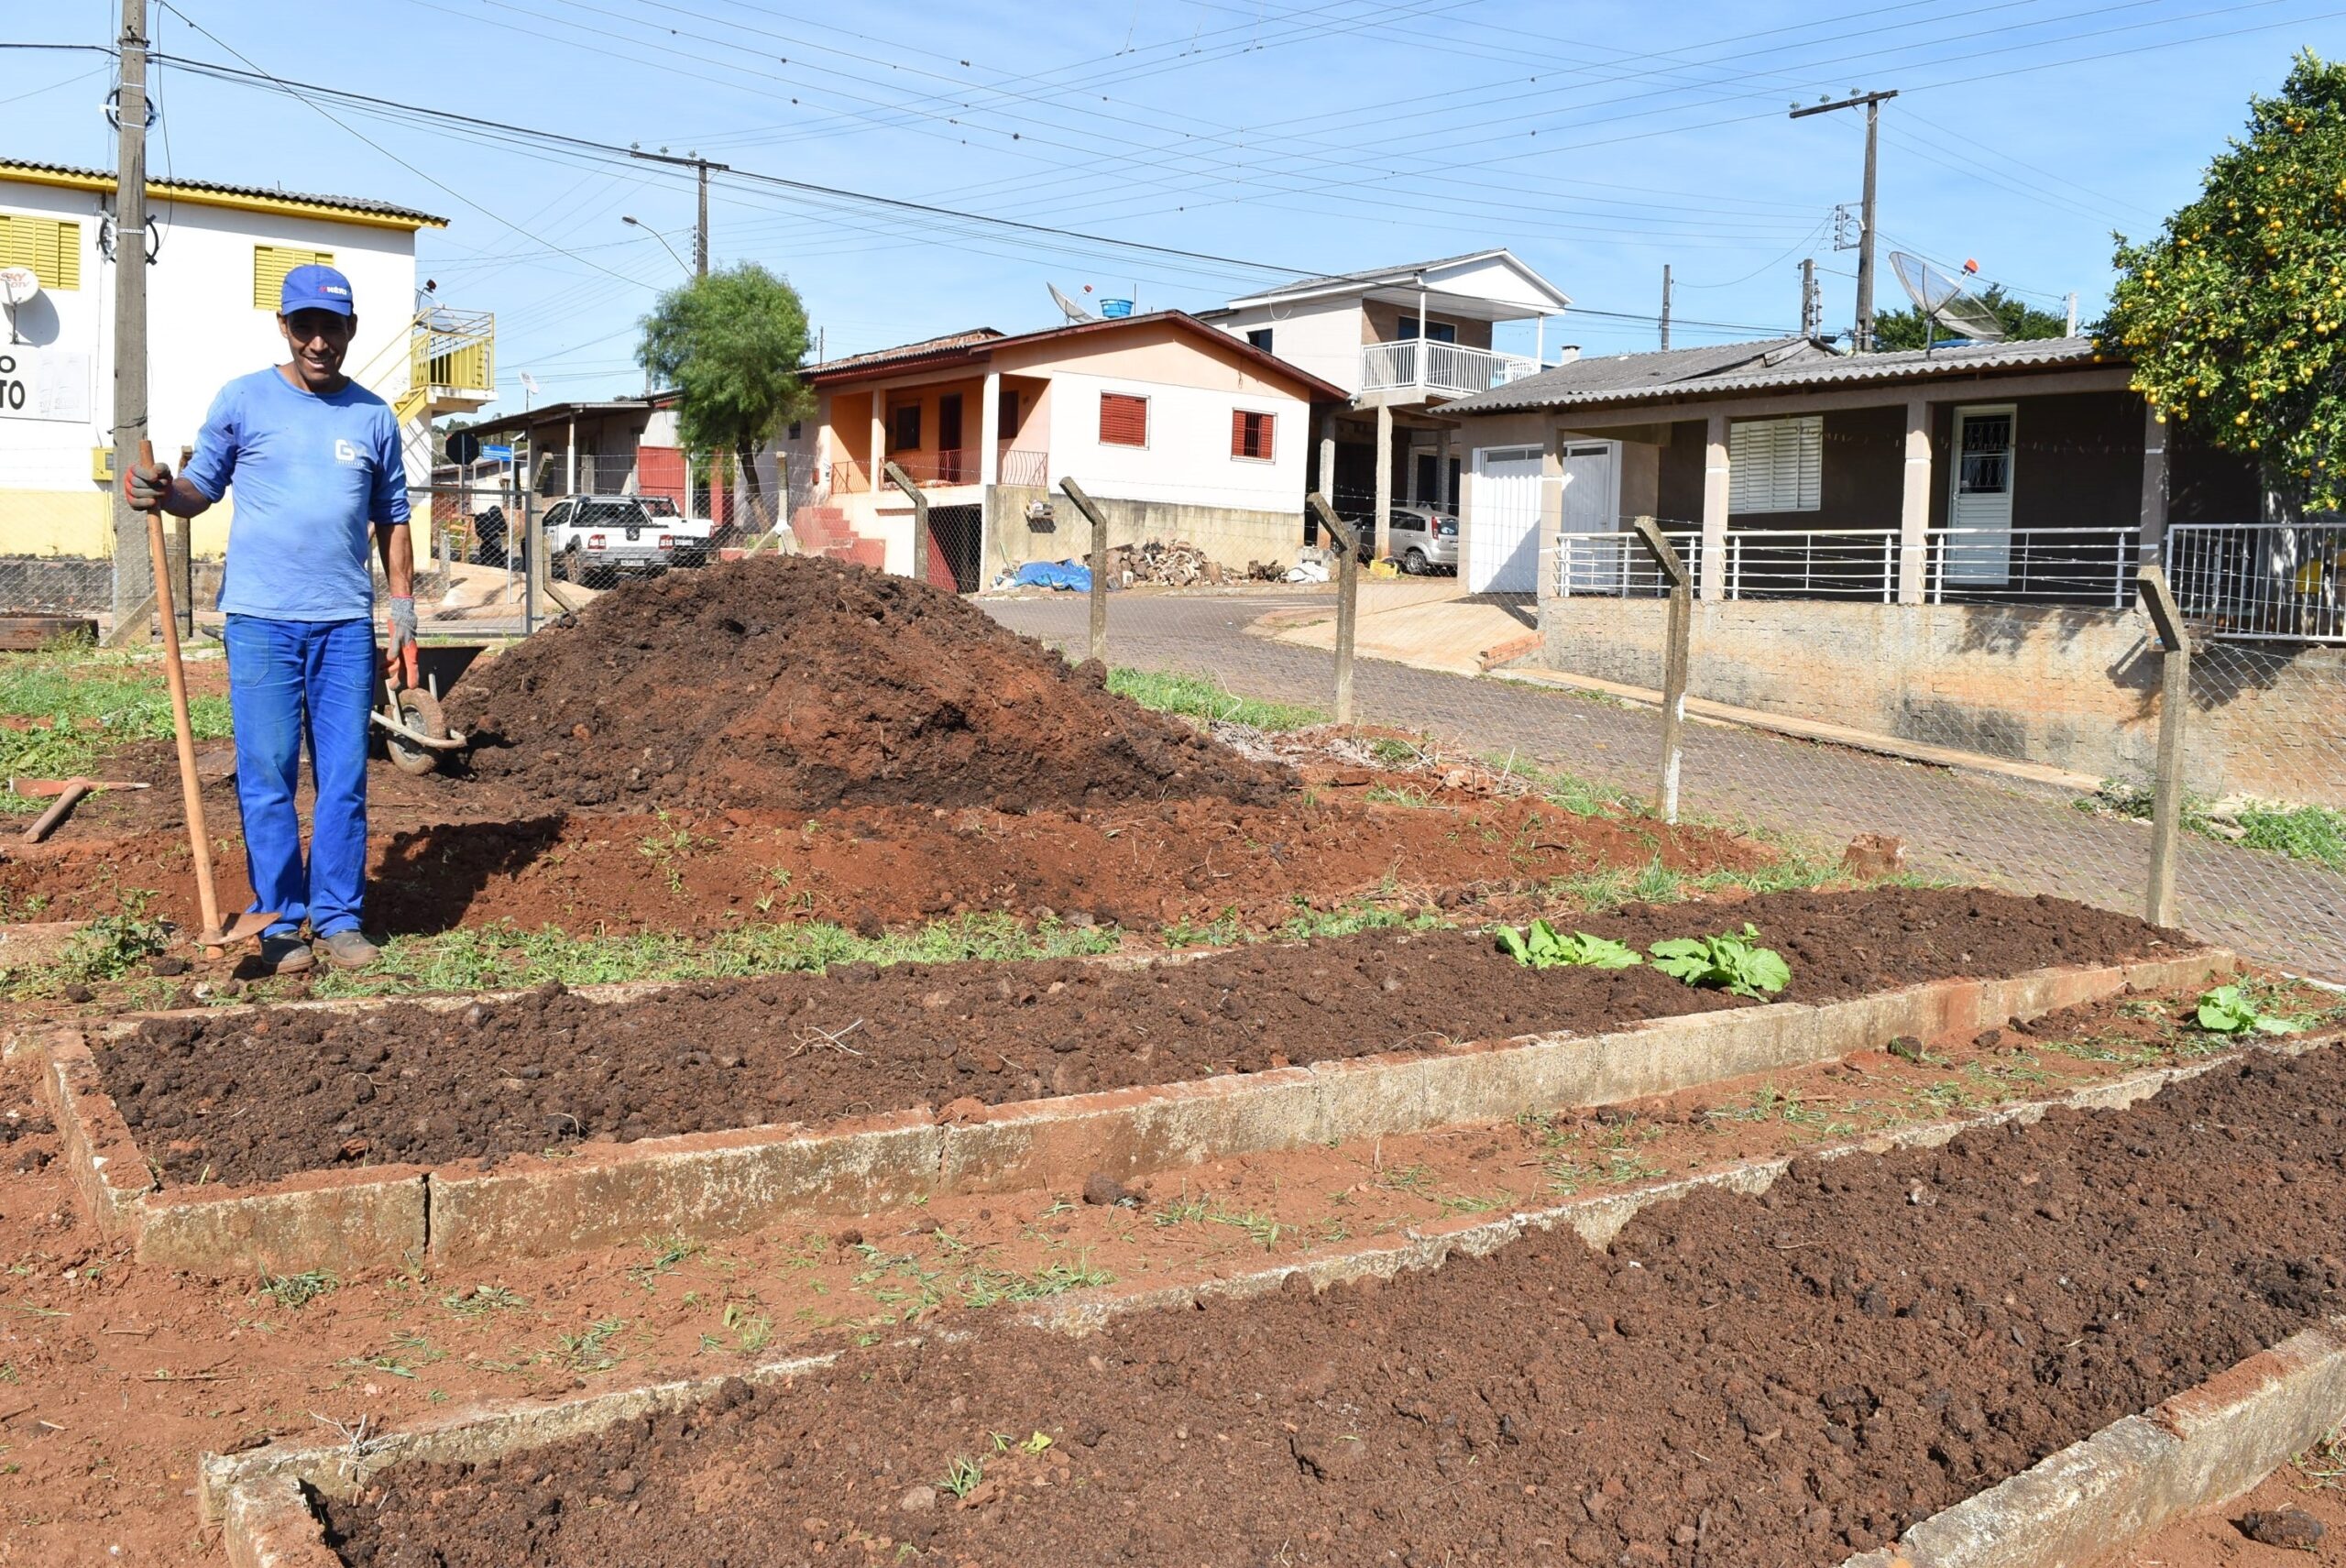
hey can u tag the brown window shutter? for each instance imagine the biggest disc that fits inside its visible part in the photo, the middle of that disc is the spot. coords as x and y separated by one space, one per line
1124 420
1250 434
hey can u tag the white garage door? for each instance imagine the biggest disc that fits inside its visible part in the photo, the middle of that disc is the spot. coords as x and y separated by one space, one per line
1503 530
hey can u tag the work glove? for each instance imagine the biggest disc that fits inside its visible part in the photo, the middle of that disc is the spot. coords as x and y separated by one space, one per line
401 658
144 485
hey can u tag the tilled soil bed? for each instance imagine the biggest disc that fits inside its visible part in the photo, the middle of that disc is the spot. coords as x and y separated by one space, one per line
256 1096
802 682
1766 1382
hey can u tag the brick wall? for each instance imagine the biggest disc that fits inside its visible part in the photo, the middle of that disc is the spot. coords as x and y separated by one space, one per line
2074 688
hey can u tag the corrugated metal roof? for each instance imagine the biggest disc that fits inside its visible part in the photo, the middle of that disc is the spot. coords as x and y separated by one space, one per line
1745 368
1390 277
1615 372
1371 274
104 179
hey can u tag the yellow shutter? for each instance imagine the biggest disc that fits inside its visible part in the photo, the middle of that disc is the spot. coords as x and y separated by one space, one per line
272 262
50 247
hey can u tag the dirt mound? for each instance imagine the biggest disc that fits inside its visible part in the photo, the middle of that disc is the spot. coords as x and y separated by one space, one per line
795 681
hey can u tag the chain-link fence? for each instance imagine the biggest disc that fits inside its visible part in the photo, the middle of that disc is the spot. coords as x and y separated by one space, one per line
505 546
2006 733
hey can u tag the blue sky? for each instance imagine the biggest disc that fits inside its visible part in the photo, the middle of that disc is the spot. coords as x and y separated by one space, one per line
1598 139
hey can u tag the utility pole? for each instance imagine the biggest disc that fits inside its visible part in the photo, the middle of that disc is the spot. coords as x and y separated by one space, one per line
700 167
1863 335
132 588
1665 305
1812 307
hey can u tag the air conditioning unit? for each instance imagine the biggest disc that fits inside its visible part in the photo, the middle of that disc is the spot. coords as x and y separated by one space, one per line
1040 517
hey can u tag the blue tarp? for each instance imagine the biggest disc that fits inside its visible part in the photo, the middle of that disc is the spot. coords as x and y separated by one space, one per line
1072 576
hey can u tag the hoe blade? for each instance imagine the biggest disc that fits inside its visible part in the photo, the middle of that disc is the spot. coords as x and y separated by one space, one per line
243 928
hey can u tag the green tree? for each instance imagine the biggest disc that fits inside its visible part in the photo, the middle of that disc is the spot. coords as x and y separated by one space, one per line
1907 329
2233 315
731 344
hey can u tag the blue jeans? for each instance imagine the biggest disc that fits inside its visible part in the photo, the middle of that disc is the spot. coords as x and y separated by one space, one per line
290 680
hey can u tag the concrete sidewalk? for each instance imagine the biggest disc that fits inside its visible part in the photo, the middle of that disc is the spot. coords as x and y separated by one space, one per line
1430 623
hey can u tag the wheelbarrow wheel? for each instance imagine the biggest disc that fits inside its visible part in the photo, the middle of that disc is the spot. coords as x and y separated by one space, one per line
420 711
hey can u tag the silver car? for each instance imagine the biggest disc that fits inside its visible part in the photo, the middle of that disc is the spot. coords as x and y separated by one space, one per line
1422 538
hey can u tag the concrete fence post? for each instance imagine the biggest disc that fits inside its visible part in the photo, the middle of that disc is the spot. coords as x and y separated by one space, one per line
1676 653
904 482
1347 597
2175 708
1098 560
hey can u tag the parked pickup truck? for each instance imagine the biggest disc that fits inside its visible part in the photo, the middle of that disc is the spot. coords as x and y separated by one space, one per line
692 534
596 538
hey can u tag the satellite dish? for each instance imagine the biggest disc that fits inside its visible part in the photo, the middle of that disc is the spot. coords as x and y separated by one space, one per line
529 383
1073 311
1945 304
18 285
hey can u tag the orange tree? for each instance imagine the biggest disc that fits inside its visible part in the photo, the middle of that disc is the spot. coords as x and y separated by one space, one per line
2234 316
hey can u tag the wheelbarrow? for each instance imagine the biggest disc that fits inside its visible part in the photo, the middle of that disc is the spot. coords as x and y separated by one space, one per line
415 732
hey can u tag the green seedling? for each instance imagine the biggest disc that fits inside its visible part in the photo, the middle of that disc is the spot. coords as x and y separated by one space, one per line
587 1351
481 1300
2228 1010
963 1474
1542 947
1728 961
294 1291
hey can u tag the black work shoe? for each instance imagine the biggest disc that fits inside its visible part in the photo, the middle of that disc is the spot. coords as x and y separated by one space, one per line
285 955
348 949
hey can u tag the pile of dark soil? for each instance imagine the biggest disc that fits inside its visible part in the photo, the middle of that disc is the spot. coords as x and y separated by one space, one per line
311 1089
1766 1382
802 683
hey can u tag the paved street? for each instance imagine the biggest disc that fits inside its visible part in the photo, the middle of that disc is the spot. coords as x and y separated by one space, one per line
1954 824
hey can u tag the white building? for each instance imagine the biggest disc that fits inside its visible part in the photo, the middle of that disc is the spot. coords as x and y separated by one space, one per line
218 253
1401 342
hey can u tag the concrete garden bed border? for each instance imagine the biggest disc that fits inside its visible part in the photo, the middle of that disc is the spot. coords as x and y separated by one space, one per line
709 1184
2200 1448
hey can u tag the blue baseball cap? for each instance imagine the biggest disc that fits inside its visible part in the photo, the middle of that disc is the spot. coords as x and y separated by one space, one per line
316 288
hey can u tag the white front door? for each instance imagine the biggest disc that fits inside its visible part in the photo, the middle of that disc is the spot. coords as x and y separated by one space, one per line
1980 509
1503 531
1592 505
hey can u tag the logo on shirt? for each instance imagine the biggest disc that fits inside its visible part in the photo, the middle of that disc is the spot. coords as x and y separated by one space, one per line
343 452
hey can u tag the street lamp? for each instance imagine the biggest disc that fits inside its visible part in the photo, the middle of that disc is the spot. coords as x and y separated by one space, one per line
655 234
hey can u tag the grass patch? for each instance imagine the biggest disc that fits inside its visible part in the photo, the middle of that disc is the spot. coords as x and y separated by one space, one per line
295 1291
1190 697
503 954
1582 797
2314 833
82 705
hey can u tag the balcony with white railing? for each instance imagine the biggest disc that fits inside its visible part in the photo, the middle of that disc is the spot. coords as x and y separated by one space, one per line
1435 369
2081 566
2283 582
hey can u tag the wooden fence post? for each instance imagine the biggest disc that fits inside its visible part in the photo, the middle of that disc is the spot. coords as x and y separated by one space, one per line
1098 560
1347 597
2175 708
1675 656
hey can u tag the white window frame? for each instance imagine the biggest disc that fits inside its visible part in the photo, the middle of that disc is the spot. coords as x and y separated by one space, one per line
1147 421
1776 466
1272 430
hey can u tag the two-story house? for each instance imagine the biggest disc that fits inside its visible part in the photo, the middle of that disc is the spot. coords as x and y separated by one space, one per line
217 255
1401 342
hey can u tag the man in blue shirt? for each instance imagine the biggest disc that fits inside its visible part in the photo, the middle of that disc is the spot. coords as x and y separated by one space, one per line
315 461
